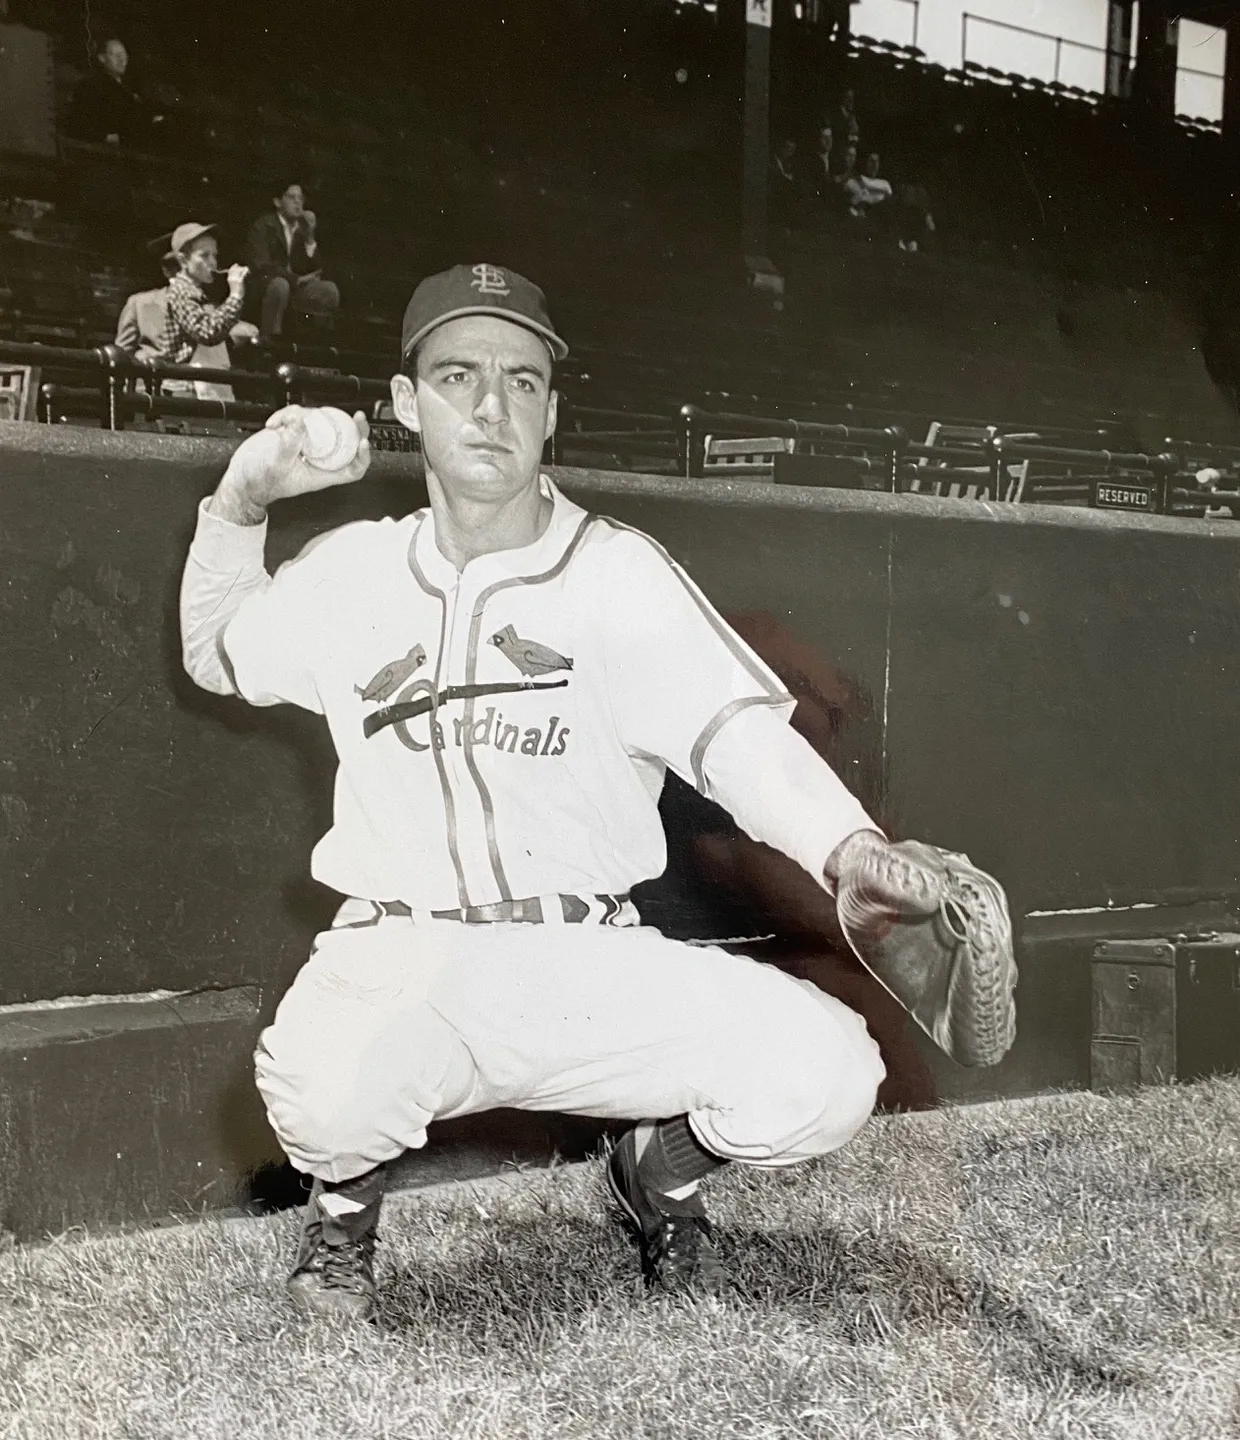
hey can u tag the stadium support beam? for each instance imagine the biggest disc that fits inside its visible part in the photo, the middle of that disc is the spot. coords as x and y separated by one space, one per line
1119 47
760 270
1231 86
1153 79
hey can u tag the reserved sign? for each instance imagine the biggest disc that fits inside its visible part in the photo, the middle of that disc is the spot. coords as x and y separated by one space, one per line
1108 495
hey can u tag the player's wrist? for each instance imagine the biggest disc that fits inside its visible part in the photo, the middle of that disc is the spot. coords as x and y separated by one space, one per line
234 501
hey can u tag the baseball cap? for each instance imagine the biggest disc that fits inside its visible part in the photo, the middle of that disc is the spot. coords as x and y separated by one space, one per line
477 290
186 233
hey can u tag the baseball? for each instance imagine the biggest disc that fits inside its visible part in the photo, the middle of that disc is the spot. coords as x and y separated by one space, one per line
331 438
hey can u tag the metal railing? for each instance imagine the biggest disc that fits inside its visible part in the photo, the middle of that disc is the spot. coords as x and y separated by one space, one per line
915 7
994 451
1161 484
1060 41
117 374
114 388
696 424
1221 84
1086 473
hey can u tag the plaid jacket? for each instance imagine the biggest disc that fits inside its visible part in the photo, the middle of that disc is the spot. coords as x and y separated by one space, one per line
192 321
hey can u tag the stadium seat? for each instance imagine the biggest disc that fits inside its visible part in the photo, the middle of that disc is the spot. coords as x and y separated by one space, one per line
732 458
954 476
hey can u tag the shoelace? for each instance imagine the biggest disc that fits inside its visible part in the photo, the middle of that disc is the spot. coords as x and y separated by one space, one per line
348 1266
680 1238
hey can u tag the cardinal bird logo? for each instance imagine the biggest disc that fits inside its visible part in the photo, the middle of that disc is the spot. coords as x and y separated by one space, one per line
393 675
529 656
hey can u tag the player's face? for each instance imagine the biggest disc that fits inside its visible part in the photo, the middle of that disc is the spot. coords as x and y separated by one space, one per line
483 404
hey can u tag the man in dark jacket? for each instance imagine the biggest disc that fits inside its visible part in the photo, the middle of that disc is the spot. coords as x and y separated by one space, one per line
105 110
283 255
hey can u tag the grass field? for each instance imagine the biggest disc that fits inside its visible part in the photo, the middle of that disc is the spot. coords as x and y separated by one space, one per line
1065 1267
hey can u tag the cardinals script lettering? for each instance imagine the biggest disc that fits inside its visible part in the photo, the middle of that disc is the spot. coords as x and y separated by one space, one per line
492 729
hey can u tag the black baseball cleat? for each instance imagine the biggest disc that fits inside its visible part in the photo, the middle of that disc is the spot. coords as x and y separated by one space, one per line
334 1275
678 1255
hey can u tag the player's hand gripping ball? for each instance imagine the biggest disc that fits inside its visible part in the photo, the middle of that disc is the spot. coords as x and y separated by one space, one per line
300 450
935 930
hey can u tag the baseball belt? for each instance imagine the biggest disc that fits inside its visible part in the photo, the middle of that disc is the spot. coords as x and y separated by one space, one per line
574 910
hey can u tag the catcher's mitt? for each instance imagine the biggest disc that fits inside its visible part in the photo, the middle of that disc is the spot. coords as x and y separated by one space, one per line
935 931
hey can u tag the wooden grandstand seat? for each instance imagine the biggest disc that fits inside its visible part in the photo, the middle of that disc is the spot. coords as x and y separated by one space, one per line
19 392
737 457
956 482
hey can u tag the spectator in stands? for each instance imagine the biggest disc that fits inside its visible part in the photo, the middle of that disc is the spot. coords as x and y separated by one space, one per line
107 111
843 120
911 217
822 162
142 332
837 187
867 190
192 320
283 253
785 193
904 212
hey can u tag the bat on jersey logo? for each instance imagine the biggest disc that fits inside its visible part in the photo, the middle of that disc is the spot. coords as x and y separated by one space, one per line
411 709
529 656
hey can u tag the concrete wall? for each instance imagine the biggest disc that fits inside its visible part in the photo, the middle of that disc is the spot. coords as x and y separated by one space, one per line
1053 692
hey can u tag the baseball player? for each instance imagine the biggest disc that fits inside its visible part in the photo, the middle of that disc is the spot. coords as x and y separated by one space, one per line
507 678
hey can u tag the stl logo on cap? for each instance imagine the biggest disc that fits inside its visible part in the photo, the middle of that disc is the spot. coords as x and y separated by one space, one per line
490 280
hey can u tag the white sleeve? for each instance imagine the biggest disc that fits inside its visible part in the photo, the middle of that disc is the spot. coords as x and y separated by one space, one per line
244 632
779 790
676 672
223 569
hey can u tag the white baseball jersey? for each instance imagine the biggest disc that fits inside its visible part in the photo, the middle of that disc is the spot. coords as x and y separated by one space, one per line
503 731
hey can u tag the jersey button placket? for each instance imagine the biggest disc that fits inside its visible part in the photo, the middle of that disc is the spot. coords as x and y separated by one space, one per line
454 674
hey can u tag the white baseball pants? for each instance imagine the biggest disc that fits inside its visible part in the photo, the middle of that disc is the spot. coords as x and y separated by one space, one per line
407 1020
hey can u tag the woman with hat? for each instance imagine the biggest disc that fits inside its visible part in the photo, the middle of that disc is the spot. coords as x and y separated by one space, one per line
192 320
